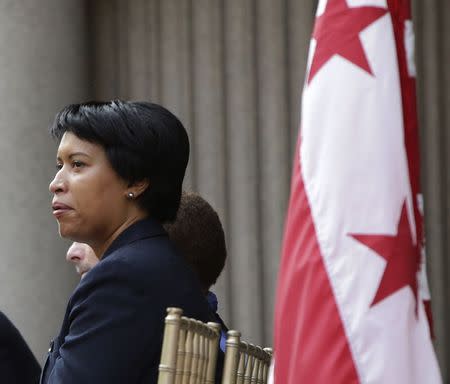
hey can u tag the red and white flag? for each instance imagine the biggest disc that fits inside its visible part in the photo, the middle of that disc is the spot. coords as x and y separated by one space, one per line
351 289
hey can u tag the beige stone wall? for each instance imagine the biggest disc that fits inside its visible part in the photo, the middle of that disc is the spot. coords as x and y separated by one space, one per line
433 63
42 67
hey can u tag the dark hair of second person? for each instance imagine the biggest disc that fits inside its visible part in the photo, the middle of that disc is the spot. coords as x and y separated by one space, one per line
198 234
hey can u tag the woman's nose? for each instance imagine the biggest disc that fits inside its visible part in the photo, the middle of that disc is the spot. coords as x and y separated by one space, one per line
57 184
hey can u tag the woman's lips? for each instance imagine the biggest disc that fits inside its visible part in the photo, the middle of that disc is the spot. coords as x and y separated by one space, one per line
59 209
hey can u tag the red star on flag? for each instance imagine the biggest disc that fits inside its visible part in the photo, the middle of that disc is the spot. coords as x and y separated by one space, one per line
401 255
337 31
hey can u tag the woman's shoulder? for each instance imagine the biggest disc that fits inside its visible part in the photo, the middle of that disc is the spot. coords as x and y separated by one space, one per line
150 251
140 259
138 271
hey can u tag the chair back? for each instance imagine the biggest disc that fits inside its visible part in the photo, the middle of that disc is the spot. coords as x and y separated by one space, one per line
245 363
189 350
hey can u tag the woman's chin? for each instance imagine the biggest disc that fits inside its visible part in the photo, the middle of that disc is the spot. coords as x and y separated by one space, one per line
66 231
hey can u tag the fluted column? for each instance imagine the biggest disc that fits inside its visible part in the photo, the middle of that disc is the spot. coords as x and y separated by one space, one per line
42 68
244 259
433 58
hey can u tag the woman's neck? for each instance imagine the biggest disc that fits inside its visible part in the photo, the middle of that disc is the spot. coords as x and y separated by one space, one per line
100 247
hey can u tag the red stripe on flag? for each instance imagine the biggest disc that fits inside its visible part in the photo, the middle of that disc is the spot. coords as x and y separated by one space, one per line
310 342
401 13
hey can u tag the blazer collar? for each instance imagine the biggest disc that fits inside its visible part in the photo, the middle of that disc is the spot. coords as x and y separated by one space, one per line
140 230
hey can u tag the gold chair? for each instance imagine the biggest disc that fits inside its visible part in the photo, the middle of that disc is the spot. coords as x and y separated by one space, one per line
245 363
189 350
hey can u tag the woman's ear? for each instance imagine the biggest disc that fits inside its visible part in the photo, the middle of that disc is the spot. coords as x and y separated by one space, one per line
137 188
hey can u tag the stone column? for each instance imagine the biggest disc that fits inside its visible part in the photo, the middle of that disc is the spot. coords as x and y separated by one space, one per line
43 66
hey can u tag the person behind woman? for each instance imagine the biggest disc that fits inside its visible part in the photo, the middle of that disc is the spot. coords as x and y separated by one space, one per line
120 167
198 234
83 257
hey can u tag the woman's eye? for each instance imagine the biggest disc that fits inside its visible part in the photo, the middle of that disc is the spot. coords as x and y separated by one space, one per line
77 164
58 166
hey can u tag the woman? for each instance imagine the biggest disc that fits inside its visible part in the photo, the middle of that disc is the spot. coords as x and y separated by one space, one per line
120 167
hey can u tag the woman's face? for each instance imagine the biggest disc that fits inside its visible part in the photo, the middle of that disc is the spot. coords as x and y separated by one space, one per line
89 198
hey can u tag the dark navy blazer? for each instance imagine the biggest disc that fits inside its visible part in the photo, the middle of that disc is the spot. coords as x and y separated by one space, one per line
17 363
113 327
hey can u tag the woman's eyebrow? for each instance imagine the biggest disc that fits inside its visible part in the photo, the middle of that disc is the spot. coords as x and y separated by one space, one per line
78 154
58 158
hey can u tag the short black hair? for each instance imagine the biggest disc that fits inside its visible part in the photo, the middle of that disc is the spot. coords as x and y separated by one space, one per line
142 141
198 234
